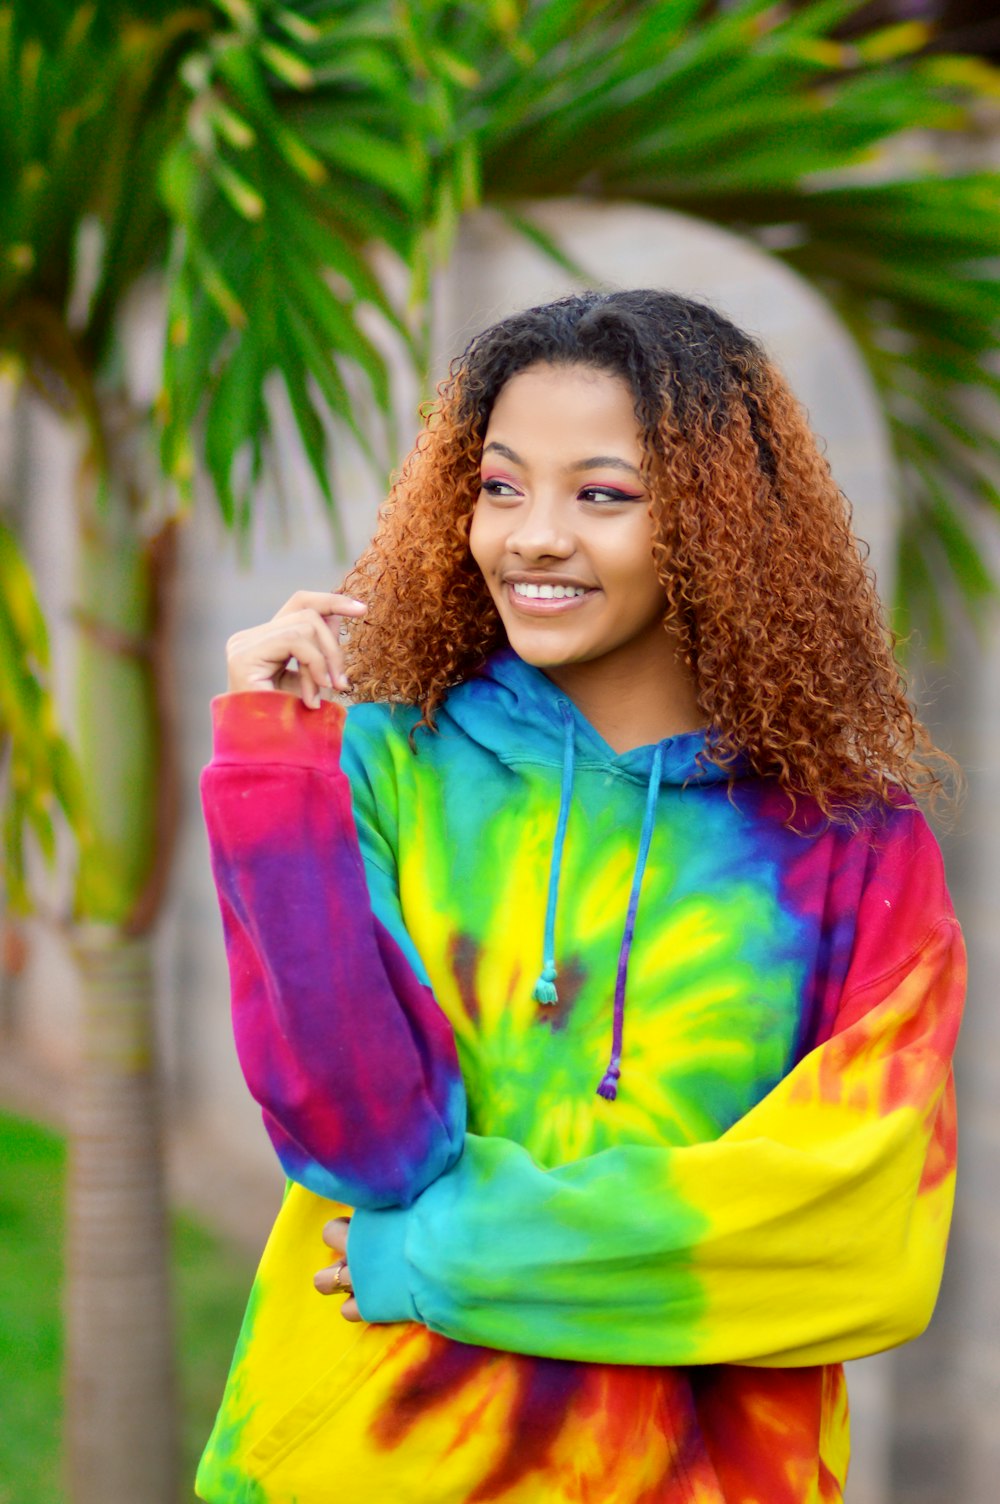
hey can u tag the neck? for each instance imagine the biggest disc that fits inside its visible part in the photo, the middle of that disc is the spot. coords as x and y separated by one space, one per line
631 701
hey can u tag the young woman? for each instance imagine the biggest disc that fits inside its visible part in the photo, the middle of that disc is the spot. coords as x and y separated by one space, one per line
598 958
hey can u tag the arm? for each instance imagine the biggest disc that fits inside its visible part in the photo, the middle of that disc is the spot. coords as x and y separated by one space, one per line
812 1231
338 1033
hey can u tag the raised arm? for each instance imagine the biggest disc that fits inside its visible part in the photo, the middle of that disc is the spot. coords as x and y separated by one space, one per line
812 1231
339 1036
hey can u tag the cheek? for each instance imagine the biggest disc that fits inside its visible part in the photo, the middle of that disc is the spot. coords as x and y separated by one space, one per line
630 565
482 545
475 535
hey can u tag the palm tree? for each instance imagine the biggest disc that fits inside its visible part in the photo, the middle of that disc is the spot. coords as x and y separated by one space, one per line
829 144
771 122
247 153
251 154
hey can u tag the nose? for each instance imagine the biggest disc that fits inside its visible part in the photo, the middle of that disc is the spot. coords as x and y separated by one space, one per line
541 531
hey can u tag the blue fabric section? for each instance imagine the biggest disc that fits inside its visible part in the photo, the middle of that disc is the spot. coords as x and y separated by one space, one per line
370 733
545 990
513 710
376 1256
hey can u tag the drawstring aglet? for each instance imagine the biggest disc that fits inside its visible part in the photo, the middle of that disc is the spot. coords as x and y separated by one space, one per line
544 990
608 1088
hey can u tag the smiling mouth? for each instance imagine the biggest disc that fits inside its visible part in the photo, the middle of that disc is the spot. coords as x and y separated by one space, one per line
546 600
528 591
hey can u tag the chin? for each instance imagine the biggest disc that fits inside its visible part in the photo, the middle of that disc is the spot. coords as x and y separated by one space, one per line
546 655
548 644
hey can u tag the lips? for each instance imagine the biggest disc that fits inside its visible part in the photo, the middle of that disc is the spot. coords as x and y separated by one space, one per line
546 597
528 590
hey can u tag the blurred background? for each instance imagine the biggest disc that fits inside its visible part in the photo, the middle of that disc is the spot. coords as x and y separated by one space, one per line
239 243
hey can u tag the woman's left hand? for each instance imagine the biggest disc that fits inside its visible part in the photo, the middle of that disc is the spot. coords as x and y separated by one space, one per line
335 1279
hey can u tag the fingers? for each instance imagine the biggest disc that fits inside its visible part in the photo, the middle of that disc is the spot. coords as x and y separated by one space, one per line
329 647
326 602
335 1279
310 612
309 689
259 658
335 1234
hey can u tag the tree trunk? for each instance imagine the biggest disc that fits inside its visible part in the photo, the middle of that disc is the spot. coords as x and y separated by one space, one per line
122 1430
121 1413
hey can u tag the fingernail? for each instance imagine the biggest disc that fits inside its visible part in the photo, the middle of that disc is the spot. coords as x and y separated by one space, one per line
343 682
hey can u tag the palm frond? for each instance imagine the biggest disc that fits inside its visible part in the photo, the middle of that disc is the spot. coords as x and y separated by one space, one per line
41 778
84 116
311 135
766 121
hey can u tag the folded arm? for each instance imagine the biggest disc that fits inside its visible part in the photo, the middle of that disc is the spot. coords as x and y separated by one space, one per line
812 1231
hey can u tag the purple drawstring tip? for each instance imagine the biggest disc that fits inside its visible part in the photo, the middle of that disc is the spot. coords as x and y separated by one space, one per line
608 1088
544 990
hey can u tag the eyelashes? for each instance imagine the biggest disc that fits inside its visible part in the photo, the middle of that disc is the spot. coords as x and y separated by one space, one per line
597 495
607 494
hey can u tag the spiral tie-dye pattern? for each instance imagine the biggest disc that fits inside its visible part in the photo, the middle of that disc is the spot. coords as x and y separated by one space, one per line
564 1300
608 1088
544 990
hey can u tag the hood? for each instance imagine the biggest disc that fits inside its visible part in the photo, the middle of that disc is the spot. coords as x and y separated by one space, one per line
517 713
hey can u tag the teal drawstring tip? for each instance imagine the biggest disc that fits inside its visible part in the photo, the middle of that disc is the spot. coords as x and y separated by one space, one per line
544 990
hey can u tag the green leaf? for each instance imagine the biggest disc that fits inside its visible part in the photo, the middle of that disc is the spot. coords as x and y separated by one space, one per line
42 776
533 232
20 601
234 419
891 42
307 419
288 65
367 155
244 198
916 606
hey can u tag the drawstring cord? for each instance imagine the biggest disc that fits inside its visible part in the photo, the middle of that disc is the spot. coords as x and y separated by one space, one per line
608 1088
544 990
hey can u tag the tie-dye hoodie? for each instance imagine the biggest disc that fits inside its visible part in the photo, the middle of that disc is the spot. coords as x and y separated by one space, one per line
569 1296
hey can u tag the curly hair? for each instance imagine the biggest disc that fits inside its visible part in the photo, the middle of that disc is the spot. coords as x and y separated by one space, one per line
776 614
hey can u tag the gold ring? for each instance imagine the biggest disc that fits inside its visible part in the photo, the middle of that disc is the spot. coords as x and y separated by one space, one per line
338 1279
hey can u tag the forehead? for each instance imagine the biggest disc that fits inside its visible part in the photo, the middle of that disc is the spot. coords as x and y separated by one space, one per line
554 406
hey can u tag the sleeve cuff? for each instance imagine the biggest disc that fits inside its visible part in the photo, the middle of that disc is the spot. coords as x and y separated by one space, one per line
267 726
379 1271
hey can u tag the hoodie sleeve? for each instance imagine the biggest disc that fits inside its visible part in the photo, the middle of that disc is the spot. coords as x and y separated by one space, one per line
338 1033
812 1231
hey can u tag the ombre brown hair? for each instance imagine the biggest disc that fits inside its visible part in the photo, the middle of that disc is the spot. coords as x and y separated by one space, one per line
764 583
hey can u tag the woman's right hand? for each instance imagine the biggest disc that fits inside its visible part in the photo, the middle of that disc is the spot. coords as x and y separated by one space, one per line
305 629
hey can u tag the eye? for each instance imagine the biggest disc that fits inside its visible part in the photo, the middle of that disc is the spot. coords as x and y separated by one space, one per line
502 489
607 495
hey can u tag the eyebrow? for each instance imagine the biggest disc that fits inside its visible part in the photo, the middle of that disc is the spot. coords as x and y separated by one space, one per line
595 461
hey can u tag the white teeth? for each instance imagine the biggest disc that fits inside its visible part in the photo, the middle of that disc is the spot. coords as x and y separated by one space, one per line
547 592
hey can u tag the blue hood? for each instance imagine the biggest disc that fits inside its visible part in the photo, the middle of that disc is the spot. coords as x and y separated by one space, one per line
515 711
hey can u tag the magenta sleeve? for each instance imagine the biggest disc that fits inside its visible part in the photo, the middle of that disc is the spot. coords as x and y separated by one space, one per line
341 1041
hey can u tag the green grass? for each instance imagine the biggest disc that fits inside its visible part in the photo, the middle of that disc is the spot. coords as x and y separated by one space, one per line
211 1283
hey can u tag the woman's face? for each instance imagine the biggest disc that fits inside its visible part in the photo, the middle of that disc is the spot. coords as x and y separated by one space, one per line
561 530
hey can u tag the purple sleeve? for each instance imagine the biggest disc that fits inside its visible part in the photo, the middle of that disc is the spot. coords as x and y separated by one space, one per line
341 1043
